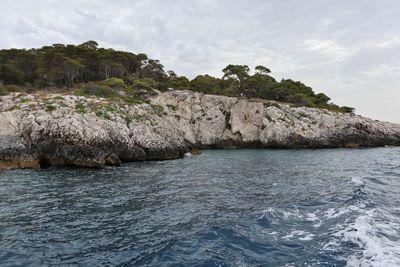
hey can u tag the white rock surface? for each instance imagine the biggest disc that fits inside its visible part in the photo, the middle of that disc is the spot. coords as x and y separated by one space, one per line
78 131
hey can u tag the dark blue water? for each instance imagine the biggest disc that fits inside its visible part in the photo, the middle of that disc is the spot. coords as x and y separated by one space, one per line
224 208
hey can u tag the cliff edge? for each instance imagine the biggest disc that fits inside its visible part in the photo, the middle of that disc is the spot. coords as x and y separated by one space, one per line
42 130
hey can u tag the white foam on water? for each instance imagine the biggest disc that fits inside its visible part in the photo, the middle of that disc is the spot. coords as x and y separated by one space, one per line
307 237
370 232
300 235
332 213
312 217
358 181
282 213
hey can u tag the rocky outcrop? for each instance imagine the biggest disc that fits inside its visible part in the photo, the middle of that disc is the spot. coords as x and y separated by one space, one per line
64 130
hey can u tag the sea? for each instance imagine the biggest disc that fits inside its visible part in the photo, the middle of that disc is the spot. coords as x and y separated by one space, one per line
250 207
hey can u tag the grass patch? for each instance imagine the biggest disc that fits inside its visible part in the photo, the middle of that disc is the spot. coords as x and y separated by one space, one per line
134 100
139 118
104 115
303 115
80 108
13 108
109 108
92 89
172 107
158 109
50 107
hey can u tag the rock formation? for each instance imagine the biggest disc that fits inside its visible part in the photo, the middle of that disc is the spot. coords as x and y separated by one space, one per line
65 130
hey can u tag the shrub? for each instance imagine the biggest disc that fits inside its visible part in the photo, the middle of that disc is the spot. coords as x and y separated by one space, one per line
96 90
13 88
347 109
50 107
113 83
133 100
159 110
3 90
143 87
80 108
272 104
103 115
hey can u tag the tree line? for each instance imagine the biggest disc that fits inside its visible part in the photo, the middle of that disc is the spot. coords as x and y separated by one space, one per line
72 66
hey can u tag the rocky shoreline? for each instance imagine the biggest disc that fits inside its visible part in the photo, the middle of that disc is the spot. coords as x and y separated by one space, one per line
43 130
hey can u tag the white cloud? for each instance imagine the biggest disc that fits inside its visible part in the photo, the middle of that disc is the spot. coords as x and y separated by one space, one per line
330 49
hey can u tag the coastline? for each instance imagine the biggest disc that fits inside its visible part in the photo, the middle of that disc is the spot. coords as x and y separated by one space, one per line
40 131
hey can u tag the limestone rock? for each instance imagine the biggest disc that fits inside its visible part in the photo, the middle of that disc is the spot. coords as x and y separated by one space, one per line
34 136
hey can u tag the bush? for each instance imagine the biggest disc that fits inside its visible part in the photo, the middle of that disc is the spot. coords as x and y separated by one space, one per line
347 109
3 90
103 115
50 107
298 99
114 83
143 87
80 108
96 90
159 110
134 100
13 88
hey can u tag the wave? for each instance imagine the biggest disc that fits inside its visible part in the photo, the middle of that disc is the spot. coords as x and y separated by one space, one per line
375 235
373 232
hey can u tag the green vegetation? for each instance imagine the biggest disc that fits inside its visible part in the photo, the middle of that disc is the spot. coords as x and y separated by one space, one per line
159 110
80 108
104 115
24 100
3 90
89 70
50 107
95 89
58 97
272 104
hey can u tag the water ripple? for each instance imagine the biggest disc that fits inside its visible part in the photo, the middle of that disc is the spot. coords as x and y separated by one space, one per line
223 208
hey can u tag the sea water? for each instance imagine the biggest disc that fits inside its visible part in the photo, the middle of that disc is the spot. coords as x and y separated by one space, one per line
330 207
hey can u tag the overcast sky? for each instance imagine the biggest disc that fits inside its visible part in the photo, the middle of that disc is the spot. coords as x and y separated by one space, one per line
349 50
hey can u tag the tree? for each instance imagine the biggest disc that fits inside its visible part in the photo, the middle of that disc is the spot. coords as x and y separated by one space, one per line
321 98
237 72
69 70
171 74
179 83
257 85
90 44
153 69
68 65
205 84
262 70
11 74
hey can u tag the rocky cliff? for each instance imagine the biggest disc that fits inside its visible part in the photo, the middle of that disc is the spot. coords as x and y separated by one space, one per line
44 130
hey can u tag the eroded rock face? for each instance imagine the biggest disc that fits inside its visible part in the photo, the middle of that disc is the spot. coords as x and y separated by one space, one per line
90 132
218 121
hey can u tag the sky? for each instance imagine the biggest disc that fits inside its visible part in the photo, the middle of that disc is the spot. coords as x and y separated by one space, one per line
349 50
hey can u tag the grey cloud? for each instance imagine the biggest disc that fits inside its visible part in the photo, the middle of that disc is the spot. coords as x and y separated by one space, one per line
347 49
